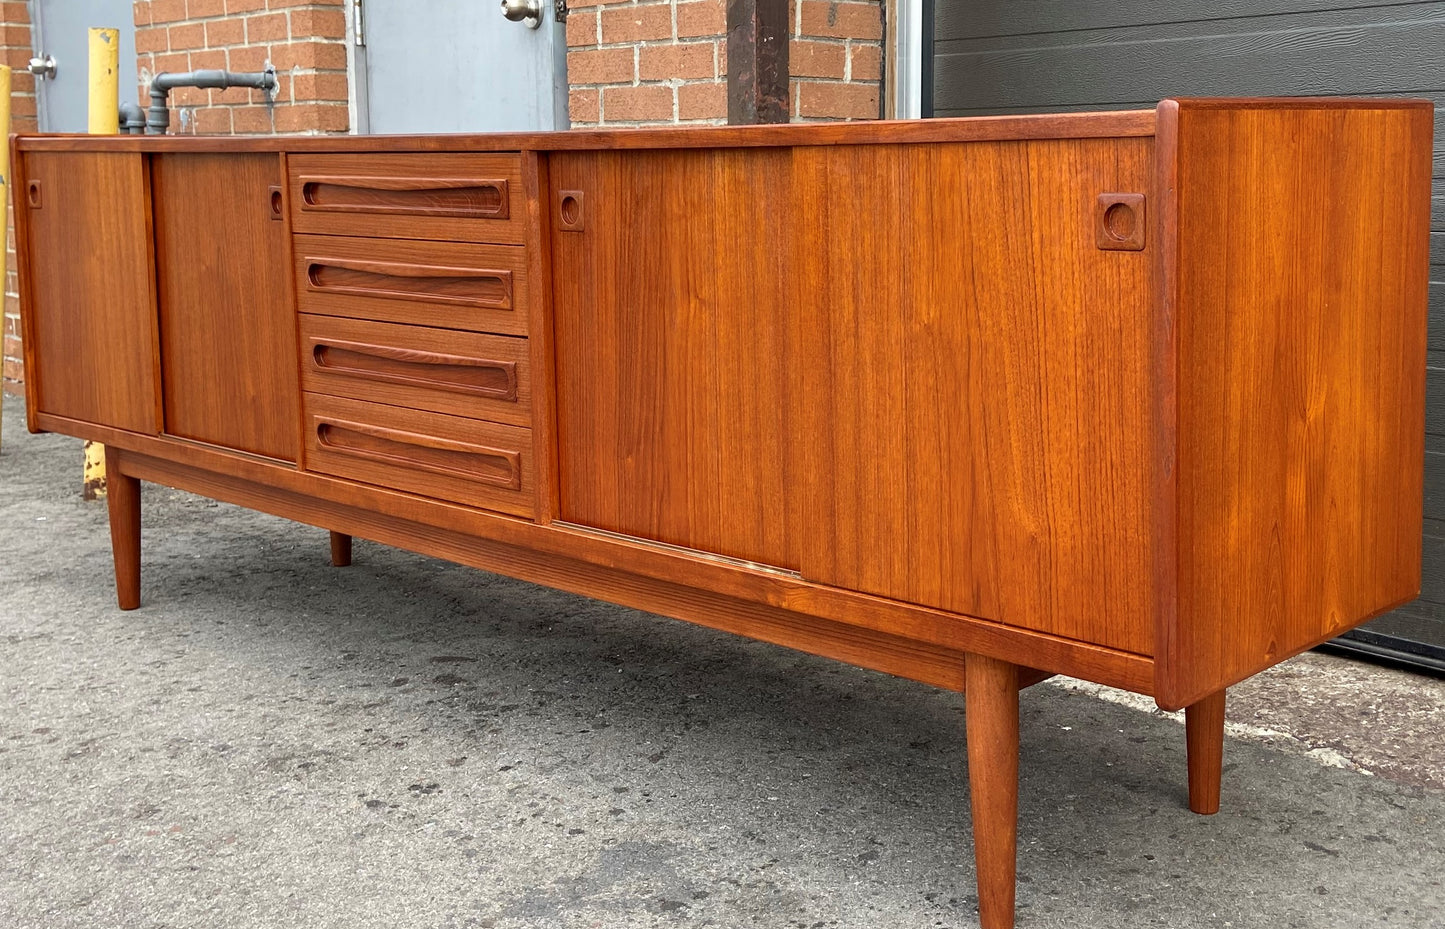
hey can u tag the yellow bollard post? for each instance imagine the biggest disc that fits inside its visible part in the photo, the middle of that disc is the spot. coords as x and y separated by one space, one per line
104 119
4 170
104 81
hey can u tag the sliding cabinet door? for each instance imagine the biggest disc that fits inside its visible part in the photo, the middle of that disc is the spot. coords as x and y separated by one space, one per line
228 331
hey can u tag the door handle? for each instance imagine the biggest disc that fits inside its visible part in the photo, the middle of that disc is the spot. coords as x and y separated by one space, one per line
42 67
527 12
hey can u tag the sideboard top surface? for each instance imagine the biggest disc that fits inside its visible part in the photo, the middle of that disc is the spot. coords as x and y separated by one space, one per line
1111 124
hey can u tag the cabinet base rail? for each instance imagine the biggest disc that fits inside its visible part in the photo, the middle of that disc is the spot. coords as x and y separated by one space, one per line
991 686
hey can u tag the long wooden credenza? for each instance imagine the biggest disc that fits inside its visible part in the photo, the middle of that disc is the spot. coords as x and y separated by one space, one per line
1136 397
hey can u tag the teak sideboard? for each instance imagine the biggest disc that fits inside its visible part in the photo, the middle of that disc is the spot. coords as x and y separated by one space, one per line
1136 397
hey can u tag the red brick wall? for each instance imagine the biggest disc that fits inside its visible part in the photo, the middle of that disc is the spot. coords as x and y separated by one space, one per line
305 40
630 62
633 63
835 58
645 62
15 52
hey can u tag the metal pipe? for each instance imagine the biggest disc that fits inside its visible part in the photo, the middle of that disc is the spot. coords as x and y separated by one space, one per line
158 116
132 119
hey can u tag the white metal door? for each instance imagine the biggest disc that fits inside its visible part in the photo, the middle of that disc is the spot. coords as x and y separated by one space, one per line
456 66
61 31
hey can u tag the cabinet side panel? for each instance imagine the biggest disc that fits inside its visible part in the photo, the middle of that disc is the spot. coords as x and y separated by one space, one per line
228 330
90 327
1301 295
976 423
669 286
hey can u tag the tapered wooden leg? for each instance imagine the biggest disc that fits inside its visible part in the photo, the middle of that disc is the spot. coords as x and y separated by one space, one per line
1204 735
992 699
123 500
340 549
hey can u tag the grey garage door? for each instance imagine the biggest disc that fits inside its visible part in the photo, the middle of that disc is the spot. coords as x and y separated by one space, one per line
1005 56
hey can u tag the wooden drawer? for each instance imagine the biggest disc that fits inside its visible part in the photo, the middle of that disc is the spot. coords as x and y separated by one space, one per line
481 464
459 373
461 197
481 288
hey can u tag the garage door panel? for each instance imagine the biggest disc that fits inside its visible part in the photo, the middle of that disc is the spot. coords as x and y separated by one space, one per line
1004 19
1314 53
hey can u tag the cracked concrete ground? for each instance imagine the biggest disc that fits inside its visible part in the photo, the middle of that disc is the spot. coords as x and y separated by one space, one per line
406 743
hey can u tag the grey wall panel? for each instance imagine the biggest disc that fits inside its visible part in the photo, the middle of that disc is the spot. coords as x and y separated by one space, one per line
1418 620
972 20
62 31
1434 475
1004 56
1432 583
1436 338
1435 402
1335 52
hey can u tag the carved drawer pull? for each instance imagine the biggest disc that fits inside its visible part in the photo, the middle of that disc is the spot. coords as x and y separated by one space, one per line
480 377
400 281
415 451
466 198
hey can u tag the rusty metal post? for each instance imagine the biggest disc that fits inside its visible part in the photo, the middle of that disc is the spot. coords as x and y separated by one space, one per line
757 61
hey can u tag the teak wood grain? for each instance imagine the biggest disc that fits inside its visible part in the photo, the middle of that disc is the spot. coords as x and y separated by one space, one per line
807 404
482 464
683 567
992 694
88 303
537 187
1137 123
459 373
890 652
449 285
1299 275
1204 743
972 402
672 419
340 550
459 197
123 502
971 416
228 331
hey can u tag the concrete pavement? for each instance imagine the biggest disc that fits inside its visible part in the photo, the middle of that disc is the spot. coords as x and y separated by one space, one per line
406 743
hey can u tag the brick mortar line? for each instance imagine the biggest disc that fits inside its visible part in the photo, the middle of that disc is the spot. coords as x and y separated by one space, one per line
650 43
661 82
627 5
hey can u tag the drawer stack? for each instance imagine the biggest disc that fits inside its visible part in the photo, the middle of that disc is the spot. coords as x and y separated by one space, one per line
411 282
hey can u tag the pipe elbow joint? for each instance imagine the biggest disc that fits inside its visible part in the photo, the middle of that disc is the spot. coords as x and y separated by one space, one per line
158 115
